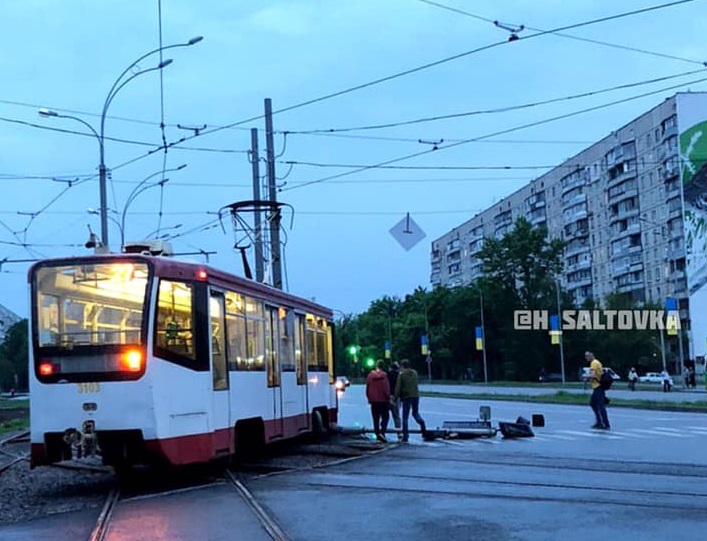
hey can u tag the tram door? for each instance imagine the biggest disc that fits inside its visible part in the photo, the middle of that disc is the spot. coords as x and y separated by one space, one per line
272 364
293 388
220 406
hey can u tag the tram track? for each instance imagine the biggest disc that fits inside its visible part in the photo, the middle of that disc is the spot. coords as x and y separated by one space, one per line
101 528
12 457
266 519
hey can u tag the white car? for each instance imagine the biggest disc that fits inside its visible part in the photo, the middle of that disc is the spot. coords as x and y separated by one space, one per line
341 383
653 377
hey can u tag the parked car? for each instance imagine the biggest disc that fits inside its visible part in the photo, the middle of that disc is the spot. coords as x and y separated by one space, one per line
653 377
341 383
585 371
550 378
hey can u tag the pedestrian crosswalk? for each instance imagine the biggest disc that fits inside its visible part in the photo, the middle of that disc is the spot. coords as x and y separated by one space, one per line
546 434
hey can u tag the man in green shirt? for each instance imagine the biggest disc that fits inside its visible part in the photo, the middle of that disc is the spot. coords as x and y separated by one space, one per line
406 389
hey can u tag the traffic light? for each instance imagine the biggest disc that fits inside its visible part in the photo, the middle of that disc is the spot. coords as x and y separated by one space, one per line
370 362
353 350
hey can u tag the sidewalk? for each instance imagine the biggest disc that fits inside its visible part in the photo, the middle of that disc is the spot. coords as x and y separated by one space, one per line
619 391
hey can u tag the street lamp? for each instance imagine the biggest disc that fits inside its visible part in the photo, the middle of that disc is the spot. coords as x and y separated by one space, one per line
562 346
137 190
100 136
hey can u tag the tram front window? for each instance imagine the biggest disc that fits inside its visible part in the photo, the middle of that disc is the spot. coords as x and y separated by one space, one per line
95 304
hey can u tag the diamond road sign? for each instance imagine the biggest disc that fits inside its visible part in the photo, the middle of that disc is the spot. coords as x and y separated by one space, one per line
407 233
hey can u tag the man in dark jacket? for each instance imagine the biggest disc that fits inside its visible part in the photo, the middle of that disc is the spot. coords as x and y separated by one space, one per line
378 395
394 402
406 389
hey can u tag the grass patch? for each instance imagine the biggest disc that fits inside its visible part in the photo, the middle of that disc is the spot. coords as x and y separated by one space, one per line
14 425
562 397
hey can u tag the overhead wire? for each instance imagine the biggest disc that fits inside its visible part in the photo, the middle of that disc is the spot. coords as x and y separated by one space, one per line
496 110
492 134
446 60
570 36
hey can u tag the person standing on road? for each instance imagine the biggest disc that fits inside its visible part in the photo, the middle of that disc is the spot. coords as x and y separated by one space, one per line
407 390
378 395
394 402
632 379
598 399
666 381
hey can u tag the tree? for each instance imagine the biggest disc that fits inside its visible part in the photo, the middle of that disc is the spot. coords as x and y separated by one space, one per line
520 270
14 357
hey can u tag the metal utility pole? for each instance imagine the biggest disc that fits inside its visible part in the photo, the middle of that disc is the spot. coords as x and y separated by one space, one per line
562 347
429 342
483 334
275 256
255 160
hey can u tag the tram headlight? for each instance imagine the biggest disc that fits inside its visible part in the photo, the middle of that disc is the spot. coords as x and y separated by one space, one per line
131 360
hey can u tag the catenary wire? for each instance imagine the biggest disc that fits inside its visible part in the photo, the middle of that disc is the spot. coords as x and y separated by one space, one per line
493 134
528 105
444 61
569 36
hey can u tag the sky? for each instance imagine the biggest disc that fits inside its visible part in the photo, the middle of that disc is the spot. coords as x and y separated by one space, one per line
66 55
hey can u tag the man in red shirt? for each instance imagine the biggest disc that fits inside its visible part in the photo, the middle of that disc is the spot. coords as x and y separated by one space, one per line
378 395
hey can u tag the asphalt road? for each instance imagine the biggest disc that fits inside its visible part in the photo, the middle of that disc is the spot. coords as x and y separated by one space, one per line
644 480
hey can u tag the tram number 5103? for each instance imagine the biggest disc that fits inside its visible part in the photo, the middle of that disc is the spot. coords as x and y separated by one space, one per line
88 388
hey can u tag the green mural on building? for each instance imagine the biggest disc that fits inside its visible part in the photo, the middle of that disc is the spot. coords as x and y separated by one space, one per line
693 169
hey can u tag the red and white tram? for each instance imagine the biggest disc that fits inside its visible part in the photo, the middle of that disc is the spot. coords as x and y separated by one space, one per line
148 359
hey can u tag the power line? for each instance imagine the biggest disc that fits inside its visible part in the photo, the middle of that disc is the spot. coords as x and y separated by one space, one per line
577 38
417 140
493 134
499 109
444 61
114 139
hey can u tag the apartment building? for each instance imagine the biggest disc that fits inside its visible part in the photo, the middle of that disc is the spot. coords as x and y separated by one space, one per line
631 208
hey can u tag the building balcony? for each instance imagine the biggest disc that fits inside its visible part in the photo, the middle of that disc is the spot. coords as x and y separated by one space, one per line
625 194
538 219
580 282
622 215
578 181
577 250
633 286
670 131
623 177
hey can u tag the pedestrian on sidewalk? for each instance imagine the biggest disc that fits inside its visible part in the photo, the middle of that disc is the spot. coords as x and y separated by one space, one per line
632 379
378 395
407 390
598 399
667 386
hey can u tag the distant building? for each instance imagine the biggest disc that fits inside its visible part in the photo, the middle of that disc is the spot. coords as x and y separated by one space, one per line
632 209
7 320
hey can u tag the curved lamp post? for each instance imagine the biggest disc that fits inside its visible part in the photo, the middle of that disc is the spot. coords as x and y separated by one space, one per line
119 83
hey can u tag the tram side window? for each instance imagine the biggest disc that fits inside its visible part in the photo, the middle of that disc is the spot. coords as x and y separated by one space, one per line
287 332
300 359
236 332
271 340
246 334
174 332
218 340
255 334
317 345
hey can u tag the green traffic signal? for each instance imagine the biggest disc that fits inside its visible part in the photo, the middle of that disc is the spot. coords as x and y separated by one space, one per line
370 363
353 350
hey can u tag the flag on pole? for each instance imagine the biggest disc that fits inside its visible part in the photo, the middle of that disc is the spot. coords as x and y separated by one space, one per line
555 331
479 338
